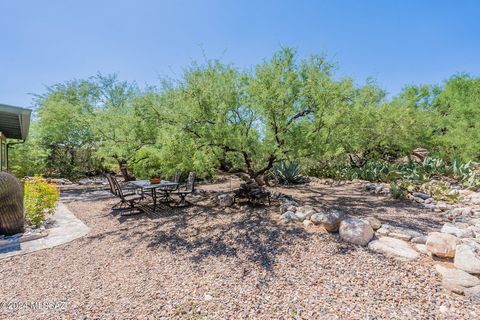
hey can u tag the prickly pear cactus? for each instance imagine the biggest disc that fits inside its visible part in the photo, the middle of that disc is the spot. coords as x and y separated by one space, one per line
11 205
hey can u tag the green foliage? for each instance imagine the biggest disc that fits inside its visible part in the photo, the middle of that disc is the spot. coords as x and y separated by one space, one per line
439 191
40 199
398 190
457 112
28 158
466 173
287 172
216 116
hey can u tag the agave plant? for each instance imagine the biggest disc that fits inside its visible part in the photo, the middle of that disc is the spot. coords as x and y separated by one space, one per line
287 172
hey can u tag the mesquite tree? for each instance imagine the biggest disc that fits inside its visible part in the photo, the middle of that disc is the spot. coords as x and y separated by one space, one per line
249 121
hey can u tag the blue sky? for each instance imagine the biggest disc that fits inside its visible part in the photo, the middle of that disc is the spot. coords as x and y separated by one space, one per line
44 42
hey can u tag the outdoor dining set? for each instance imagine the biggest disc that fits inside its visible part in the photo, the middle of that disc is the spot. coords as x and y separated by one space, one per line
146 195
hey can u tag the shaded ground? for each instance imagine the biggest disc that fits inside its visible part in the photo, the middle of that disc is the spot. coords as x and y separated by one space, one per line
206 262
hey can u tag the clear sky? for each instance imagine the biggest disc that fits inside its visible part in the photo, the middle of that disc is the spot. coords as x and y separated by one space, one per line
43 42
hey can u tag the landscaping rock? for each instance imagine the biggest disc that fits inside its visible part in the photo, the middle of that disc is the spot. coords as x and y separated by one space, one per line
444 206
442 244
419 240
292 208
370 186
404 233
289 216
330 220
456 280
475 198
467 257
457 230
401 236
421 195
383 231
224 200
421 248
317 218
304 213
307 223
374 223
419 200
394 248
473 293
356 231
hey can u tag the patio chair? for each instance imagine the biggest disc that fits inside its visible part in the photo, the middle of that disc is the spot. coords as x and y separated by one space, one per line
184 192
128 199
166 191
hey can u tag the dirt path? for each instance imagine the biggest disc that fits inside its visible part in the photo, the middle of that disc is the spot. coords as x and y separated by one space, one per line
206 262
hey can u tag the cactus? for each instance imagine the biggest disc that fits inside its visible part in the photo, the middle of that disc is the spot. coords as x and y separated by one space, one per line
12 216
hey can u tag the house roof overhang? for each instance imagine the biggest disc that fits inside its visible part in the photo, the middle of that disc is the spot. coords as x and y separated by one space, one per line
14 121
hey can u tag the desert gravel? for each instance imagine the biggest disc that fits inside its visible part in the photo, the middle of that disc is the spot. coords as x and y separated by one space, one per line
204 262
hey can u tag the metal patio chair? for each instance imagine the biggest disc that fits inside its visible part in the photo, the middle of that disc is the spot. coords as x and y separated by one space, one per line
184 192
128 198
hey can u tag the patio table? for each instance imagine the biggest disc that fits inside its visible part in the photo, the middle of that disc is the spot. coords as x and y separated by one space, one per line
146 185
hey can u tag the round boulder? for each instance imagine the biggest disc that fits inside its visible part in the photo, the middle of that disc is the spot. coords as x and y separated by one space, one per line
442 244
330 220
375 223
356 231
467 257
224 200
394 248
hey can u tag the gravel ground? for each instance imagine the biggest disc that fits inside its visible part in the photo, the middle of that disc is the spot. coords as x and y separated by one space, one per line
204 262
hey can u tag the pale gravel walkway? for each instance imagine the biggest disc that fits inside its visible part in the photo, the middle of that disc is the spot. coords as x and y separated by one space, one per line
66 228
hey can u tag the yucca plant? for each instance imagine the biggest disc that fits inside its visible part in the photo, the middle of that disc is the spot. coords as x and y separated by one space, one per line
287 172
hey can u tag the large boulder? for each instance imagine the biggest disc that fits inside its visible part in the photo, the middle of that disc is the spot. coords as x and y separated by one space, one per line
442 244
356 231
467 257
456 280
394 248
473 293
458 230
330 220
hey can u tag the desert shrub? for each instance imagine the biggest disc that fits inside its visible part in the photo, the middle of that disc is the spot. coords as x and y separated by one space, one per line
439 190
398 190
287 172
467 173
40 199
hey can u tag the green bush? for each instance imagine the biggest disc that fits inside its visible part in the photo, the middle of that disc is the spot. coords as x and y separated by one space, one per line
467 173
40 199
398 191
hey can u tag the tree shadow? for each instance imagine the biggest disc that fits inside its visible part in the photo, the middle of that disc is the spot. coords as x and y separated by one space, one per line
252 235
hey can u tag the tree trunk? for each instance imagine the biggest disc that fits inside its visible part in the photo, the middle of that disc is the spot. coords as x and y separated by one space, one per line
12 217
124 170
